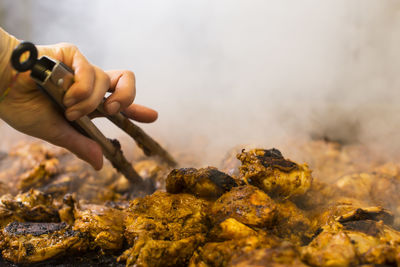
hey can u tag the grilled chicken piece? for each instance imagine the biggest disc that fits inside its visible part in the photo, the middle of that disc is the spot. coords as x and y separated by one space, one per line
247 204
219 254
231 229
369 213
104 225
292 224
31 206
164 224
375 188
208 183
331 161
34 242
229 239
278 177
281 256
6 216
332 247
357 185
345 209
21 162
166 216
354 242
39 175
150 252
385 192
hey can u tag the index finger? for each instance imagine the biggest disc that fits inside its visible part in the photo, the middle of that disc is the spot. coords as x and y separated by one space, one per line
84 74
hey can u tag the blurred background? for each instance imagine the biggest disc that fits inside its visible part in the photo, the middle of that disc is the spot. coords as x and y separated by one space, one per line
231 72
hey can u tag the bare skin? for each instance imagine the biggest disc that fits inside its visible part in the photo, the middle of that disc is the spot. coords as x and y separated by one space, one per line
27 110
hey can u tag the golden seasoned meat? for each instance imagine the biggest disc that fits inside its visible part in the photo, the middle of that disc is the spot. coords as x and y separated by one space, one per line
57 172
34 242
369 213
229 239
292 224
248 205
31 206
332 247
220 253
208 183
330 160
164 224
357 185
166 216
374 242
374 188
281 256
270 213
39 175
278 177
23 162
354 242
343 208
104 225
66 212
150 252
6 216
230 229
385 192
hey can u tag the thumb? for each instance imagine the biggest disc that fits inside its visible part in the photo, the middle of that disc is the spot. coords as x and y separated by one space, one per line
82 146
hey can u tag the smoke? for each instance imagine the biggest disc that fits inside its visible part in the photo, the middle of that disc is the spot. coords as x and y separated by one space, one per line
224 73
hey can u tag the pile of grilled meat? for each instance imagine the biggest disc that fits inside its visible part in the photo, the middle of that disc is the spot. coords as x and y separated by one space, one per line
259 209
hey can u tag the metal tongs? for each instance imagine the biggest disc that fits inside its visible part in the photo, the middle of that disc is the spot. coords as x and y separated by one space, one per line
54 78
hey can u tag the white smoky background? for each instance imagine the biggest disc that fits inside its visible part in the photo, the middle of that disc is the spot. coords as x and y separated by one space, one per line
230 72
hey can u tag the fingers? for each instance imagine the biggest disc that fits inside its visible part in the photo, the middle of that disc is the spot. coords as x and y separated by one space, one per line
140 113
90 103
124 91
91 83
84 74
123 87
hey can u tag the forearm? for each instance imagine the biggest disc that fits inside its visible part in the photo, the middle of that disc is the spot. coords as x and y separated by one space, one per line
7 44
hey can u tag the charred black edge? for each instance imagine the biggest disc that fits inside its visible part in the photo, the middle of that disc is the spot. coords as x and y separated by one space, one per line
361 214
317 233
87 259
368 227
37 229
272 158
222 180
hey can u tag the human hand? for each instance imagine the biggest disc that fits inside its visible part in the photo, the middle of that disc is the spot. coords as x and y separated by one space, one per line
29 111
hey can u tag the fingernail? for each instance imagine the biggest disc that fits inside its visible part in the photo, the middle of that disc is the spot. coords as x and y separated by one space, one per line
69 101
113 107
73 115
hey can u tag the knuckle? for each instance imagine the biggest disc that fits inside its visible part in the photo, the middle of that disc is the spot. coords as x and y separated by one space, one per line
85 92
89 107
67 46
129 74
